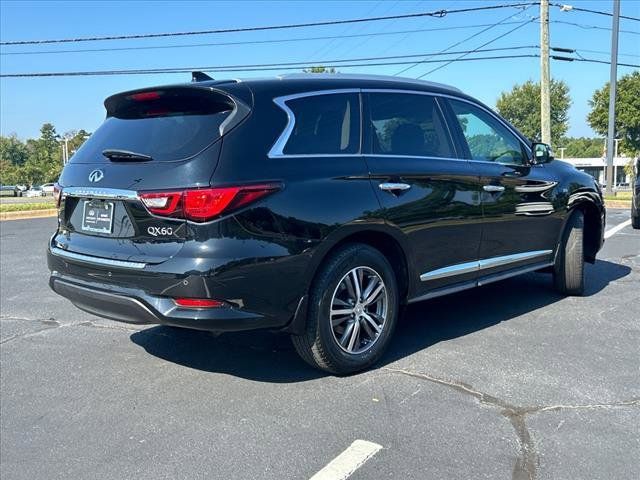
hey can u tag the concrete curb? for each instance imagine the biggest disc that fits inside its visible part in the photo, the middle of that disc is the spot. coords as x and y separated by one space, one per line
28 214
617 203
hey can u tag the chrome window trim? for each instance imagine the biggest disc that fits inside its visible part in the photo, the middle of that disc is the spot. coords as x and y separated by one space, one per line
483 264
278 147
276 150
95 260
96 192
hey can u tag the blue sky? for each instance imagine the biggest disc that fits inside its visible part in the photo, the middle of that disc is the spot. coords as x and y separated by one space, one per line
74 103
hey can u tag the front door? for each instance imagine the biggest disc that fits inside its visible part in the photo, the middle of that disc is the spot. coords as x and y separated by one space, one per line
521 225
426 191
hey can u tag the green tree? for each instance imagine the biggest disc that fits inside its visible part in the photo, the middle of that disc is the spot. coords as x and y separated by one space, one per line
521 106
12 150
582 147
45 157
319 69
627 125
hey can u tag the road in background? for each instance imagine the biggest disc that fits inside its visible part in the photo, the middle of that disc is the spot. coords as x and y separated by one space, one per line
507 381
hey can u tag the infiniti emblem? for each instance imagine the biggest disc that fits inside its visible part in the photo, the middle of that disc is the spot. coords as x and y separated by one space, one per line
96 175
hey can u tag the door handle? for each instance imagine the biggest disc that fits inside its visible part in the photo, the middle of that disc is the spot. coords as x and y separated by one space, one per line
493 188
394 187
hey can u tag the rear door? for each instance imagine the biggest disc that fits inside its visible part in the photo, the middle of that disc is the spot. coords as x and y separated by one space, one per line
426 191
152 140
521 224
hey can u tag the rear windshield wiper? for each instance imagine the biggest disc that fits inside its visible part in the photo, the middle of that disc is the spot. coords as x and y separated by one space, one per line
116 155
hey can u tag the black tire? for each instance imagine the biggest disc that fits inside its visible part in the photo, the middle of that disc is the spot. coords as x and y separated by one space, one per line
319 346
635 217
568 271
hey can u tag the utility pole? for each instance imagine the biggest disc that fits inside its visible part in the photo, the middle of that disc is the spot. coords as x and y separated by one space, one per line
613 80
545 77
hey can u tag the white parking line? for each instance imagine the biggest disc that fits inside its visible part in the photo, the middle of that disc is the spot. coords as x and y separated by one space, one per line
612 231
341 467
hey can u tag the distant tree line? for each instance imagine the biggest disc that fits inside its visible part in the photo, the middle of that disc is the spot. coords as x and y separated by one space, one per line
39 160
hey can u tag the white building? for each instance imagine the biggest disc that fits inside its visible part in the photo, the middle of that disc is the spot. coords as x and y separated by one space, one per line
596 168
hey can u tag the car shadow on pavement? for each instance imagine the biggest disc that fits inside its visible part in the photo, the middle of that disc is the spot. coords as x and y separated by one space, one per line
269 357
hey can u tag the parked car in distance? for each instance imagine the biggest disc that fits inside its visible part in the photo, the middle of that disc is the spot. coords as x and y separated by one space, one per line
34 192
635 199
48 188
315 205
9 191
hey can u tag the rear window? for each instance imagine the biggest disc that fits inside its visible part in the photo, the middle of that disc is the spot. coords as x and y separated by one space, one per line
325 124
167 126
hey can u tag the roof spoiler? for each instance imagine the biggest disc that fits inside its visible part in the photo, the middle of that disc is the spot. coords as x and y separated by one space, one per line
200 77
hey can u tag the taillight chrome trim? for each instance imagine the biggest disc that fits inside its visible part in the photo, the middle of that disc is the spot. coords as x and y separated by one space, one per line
107 193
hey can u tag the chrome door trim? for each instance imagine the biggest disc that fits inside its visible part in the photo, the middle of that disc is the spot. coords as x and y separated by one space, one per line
459 269
96 192
106 262
276 150
507 259
483 264
493 188
278 147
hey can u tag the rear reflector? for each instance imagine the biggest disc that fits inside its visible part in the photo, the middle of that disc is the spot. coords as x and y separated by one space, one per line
57 194
197 303
204 204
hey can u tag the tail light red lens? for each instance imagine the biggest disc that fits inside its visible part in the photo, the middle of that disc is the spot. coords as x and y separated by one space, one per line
57 194
204 204
198 303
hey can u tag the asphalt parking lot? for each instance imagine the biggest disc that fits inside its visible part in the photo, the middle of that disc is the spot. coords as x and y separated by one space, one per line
507 381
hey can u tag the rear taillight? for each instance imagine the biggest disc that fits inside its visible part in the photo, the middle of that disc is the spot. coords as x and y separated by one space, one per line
197 303
57 194
204 204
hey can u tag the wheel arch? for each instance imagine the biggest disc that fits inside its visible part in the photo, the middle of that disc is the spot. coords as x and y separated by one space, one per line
591 207
379 236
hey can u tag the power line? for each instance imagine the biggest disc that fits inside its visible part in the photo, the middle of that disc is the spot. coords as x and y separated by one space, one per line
300 64
591 60
569 8
251 42
436 13
247 69
589 27
481 46
461 41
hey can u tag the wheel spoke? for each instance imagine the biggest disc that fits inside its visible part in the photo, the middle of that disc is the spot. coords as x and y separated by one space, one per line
346 334
367 328
342 303
350 289
342 311
372 322
355 335
373 281
356 283
337 321
373 295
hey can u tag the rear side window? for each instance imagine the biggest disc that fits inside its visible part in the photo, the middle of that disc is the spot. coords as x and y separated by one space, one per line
325 124
167 127
408 124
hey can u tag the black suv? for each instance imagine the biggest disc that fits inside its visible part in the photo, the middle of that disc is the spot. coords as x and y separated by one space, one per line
311 204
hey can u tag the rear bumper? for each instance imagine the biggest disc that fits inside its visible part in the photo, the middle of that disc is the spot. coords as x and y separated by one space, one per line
136 306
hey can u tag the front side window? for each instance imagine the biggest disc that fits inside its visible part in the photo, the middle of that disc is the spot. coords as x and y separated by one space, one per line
408 124
325 124
487 138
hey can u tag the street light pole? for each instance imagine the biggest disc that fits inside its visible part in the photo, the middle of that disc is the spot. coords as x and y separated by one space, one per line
613 77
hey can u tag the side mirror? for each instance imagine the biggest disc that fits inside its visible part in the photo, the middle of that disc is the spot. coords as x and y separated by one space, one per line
541 153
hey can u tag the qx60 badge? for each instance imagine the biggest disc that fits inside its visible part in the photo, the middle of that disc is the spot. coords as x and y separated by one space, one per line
157 231
96 175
